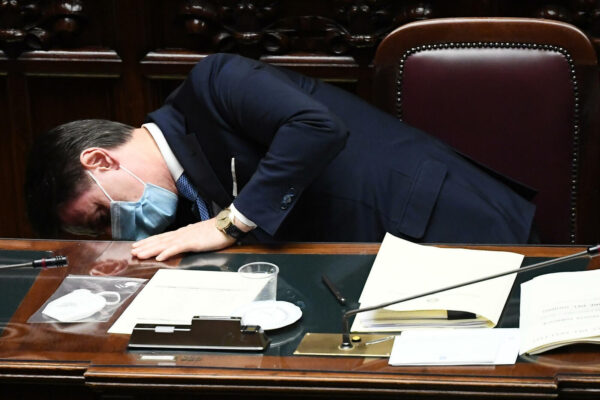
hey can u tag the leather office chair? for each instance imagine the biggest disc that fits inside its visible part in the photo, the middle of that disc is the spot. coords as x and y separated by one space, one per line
519 96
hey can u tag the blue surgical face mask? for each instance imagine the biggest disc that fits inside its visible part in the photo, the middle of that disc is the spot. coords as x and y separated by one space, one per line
151 214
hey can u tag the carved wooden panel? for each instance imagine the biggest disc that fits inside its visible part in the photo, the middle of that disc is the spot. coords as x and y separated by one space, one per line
29 25
270 27
336 27
585 14
254 27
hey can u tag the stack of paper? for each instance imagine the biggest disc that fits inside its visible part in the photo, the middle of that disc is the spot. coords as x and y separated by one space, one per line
560 309
175 296
402 269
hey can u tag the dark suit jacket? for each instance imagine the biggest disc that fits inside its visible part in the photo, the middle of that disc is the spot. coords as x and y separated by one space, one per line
315 163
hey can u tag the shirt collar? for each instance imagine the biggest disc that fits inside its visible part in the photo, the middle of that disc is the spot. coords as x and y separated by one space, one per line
173 165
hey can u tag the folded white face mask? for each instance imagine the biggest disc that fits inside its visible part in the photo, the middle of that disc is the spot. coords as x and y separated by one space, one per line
78 305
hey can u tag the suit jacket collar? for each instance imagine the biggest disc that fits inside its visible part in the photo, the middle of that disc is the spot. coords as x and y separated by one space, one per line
186 148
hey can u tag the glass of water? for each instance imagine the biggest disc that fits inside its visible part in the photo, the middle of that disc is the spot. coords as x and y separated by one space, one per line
265 272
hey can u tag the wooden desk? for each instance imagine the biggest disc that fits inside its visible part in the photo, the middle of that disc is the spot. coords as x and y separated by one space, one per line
83 361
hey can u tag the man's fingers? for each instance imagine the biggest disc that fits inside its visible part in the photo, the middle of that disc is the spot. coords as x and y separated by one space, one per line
146 253
163 246
168 252
149 249
201 236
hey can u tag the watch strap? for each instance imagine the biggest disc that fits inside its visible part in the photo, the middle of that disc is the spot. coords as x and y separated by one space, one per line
234 231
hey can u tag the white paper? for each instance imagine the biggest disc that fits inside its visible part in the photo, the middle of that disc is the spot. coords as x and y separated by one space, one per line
175 296
559 309
402 269
455 347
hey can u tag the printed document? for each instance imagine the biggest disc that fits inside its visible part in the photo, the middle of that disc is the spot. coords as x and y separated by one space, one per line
402 269
560 309
456 347
175 296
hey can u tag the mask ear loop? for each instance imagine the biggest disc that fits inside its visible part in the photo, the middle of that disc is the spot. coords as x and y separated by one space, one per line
104 191
99 185
109 293
134 175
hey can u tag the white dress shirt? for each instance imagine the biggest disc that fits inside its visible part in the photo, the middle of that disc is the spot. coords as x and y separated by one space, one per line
175 168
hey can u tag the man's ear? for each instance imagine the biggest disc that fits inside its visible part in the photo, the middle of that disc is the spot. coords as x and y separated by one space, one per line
97 158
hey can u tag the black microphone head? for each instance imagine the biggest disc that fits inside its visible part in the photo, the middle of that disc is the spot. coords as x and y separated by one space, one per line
58 261
593 250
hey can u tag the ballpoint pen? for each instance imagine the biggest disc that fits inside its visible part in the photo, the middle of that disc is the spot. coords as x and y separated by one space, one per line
333 290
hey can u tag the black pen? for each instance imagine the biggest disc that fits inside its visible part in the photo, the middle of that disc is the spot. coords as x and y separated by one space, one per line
333 290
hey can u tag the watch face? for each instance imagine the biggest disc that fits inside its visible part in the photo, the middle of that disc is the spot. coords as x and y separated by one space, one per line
223 219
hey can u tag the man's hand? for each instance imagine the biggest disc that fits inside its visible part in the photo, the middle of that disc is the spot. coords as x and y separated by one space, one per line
201 236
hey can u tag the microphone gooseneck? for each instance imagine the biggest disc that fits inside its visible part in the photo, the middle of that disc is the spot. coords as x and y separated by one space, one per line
347 343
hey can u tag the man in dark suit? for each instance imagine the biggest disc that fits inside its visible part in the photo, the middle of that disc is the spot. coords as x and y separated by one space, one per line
273 153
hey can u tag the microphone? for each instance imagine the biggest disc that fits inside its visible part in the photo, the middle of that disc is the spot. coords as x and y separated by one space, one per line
347 343
54 262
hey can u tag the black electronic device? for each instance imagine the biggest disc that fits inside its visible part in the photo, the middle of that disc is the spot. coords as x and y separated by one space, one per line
204 333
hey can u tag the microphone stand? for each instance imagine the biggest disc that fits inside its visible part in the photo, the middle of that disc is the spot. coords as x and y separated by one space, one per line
347 343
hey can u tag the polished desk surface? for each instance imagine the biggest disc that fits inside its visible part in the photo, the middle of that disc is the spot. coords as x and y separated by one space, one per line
82 360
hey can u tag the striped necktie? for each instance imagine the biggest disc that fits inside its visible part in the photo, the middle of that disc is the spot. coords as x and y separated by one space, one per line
188 190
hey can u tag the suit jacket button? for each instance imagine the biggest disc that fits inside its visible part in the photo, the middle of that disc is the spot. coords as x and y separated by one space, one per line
286 201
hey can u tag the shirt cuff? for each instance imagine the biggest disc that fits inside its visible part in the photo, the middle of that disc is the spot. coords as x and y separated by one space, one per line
240 217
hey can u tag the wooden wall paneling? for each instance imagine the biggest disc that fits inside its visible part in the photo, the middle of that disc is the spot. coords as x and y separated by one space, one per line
341 71
57 61
45 89
9 135
20 131
53 100
158 88
6 192
79 98
132 43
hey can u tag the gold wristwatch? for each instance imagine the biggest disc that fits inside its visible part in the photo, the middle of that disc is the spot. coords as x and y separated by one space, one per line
225 224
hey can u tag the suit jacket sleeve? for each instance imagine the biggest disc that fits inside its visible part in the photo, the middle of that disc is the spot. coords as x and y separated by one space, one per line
263 104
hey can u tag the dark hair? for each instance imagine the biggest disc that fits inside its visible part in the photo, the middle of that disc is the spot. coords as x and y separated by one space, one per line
54 173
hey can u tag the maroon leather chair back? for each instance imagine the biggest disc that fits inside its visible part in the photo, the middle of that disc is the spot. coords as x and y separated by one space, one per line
519 96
